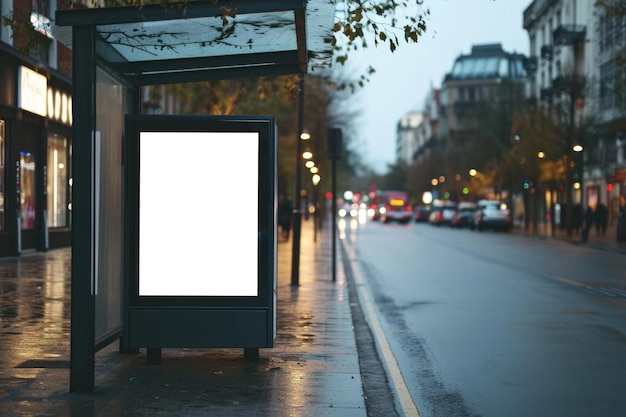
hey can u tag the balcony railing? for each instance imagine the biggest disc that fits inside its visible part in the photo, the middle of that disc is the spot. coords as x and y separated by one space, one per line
569 34
530 64
546 52
569 84
463 106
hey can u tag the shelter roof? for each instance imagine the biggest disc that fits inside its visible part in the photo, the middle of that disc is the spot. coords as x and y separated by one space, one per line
199 40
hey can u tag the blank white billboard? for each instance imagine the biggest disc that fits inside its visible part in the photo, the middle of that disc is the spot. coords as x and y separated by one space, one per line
198 218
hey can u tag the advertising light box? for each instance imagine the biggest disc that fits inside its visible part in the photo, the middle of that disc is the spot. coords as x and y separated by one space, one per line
217 215
201 210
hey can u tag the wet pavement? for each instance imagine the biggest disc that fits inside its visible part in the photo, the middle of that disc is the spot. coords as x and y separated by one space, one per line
313 369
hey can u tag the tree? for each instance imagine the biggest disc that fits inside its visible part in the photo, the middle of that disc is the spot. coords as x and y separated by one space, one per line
357 25
396 177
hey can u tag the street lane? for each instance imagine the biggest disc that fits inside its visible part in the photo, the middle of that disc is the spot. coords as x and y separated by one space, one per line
495 324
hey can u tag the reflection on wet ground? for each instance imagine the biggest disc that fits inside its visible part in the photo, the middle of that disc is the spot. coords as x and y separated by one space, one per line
34 312
311 371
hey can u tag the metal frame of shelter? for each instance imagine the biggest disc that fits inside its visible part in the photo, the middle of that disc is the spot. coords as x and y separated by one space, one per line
118 50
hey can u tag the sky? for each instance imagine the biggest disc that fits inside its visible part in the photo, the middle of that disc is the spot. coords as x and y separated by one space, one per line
404 78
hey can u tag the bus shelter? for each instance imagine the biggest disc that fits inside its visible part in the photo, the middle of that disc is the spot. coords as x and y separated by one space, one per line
116 51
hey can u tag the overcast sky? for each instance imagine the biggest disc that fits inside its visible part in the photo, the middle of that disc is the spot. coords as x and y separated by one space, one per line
403 78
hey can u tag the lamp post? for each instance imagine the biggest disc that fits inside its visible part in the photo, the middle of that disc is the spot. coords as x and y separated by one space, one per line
315 180
297 211
335 146
578 149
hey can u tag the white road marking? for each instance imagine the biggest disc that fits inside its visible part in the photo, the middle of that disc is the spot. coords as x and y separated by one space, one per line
391 364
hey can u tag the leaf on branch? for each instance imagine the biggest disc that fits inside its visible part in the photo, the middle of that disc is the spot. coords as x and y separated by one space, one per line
358 15
229 11
341 59
382 36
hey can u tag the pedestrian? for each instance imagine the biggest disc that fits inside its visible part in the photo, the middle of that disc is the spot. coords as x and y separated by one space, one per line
601 219
588 219
285 209
621 219
578 217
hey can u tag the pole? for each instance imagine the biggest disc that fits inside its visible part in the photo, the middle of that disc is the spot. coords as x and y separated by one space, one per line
334 153
297 211
333 215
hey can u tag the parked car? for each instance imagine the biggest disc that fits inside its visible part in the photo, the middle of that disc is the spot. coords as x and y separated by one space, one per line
492 214
442 214
422 213
464 215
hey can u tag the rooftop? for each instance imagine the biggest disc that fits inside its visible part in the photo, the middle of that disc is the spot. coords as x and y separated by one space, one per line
488 61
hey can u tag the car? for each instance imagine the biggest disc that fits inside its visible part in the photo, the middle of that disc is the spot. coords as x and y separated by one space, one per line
442 214
422 213
464 215
492 214
396 208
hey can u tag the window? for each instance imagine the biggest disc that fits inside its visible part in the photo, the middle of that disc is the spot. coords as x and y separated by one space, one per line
40 19
57 181
461 94
28 193
611 32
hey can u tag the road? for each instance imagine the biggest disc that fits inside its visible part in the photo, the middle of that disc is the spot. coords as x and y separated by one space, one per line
495 324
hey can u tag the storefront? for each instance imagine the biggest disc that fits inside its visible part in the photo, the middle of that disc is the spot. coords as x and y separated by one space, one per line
35 147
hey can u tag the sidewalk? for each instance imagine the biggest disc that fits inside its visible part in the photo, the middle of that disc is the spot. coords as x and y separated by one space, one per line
607 241
312 371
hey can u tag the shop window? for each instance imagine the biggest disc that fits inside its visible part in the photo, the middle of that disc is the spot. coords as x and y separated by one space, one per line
57 181
27 190
2 142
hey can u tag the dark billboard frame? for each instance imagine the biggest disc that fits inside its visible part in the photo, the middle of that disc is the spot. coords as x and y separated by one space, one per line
191 319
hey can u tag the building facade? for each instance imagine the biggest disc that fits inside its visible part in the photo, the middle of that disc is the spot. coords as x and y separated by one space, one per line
472 83
407 136
576 60
35 132
574 52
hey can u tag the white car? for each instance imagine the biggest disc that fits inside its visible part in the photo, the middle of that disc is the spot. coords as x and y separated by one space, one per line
492 214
